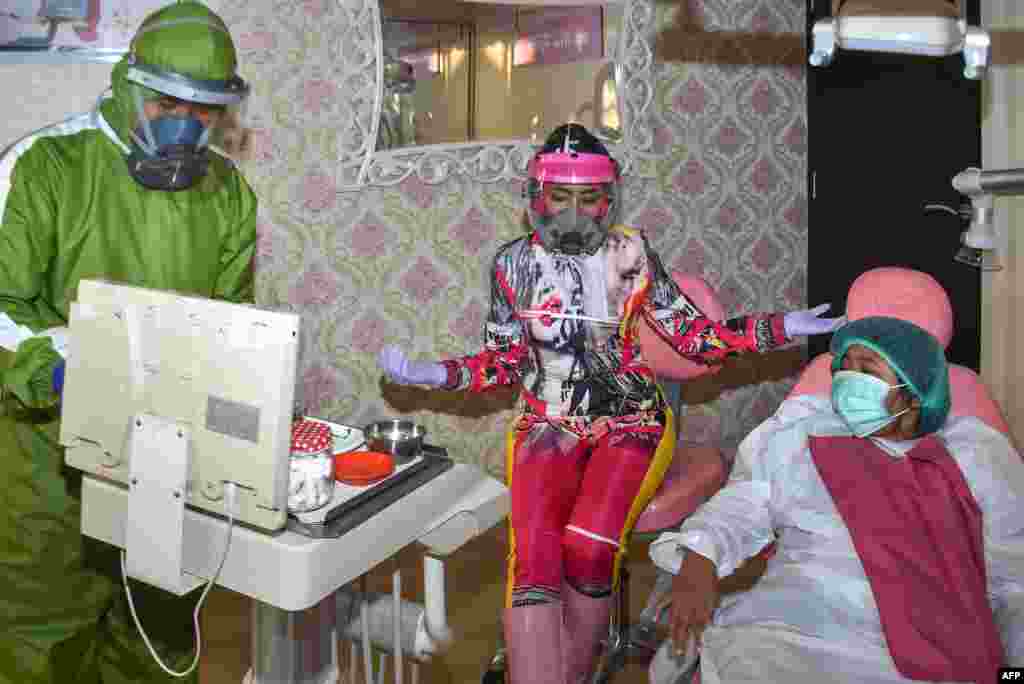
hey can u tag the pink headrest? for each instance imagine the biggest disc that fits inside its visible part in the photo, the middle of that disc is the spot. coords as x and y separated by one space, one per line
916 297
663 359
905 294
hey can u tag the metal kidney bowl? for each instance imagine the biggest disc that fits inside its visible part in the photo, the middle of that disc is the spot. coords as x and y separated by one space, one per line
403 439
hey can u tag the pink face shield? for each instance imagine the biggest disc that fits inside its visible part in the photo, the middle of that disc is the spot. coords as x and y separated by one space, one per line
578 229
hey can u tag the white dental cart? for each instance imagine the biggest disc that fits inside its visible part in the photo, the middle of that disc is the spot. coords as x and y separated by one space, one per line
292 579
179 410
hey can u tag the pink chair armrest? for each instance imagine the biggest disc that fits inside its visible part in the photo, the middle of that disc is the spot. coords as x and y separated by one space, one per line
696 473
816 378
971 397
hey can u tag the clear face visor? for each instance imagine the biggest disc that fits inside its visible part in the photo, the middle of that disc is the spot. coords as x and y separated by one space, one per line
173 110
177 119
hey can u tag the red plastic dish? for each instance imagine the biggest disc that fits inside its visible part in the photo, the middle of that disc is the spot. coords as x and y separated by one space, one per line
361 468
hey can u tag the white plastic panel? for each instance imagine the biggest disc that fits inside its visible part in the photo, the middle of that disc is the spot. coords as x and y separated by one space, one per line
935 36
226 370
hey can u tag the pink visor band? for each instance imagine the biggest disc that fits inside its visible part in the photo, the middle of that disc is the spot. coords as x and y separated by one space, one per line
575 168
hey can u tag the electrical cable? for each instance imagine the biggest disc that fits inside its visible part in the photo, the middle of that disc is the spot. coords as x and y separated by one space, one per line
941 207
230 505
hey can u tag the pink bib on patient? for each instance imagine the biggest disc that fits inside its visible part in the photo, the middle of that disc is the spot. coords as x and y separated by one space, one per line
918 532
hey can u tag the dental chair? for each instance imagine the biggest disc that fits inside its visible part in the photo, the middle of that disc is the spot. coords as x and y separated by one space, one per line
912 296
916 297
696 473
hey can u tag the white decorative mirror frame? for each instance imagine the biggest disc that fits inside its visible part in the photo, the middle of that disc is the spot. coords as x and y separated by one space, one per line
360 52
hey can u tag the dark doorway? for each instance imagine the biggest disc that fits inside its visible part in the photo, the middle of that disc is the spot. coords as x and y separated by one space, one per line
886 135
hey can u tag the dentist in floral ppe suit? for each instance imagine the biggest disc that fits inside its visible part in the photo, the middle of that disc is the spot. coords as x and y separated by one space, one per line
595 435
129 192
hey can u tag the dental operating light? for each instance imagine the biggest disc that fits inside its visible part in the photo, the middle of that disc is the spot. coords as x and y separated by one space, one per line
860 26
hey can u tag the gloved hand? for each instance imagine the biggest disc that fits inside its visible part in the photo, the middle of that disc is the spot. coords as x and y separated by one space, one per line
58 378
29 377
808 322
399 369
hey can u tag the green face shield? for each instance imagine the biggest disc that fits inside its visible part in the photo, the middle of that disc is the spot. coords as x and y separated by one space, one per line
175 88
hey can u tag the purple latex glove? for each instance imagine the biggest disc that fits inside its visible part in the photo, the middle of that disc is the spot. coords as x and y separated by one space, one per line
57 379
809 322
399 369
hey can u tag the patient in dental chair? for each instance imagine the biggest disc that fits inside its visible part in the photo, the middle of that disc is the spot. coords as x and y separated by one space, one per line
899 532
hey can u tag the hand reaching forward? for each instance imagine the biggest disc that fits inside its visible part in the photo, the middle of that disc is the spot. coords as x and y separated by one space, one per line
399 369
809 322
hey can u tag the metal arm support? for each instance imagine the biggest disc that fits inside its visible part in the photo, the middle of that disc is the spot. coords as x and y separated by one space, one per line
980 240
973 182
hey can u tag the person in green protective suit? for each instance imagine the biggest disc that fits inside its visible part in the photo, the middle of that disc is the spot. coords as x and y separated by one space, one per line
130 192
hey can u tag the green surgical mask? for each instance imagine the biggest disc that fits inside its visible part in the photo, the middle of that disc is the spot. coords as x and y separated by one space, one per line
859 399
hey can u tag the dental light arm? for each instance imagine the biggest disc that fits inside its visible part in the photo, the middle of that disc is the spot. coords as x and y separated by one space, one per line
981 186
974 182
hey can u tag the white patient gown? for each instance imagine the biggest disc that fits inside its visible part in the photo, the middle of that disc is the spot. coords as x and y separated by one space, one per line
812 617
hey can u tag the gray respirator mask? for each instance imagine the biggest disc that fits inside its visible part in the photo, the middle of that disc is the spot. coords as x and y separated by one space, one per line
571 231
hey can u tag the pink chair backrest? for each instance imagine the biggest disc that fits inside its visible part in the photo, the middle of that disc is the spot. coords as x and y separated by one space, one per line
663 359
697 470
916 297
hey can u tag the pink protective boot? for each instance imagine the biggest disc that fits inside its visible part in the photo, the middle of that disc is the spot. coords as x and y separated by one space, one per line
586 625
533 652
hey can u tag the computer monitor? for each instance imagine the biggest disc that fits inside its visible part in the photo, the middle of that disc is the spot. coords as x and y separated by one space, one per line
225 372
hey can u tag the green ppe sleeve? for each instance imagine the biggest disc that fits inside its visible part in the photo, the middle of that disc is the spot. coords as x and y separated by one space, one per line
30 375
27 247
235 282
28 242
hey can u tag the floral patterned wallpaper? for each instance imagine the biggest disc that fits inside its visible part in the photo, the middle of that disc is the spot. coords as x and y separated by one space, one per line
409 264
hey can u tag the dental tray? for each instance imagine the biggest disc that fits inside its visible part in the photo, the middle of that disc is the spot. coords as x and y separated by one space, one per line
351 506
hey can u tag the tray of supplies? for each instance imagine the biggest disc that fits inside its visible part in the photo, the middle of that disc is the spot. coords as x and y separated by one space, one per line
351 506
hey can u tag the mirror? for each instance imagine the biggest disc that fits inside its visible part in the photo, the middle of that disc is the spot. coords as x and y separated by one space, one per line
473 87
456 72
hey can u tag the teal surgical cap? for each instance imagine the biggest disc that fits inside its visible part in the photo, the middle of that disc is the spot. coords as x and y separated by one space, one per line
915 356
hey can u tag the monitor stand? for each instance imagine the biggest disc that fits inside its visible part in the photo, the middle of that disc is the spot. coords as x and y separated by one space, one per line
160 456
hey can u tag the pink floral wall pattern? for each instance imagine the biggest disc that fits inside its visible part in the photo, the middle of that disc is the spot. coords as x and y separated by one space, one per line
409 264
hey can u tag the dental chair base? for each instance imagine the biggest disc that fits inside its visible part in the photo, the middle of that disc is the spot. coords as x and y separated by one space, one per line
668 668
